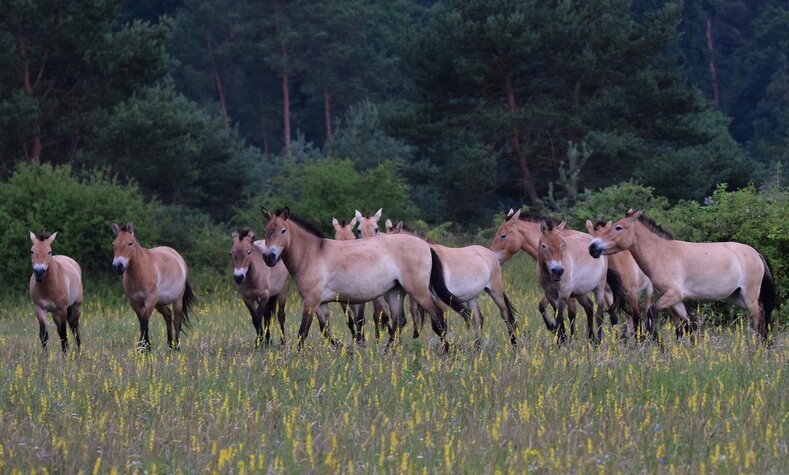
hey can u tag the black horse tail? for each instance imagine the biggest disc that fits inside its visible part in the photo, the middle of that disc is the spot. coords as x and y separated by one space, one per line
768 294
439 286
615 283
188 302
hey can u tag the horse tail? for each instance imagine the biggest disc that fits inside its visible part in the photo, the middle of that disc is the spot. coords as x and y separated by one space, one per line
439 286
615 283
509 305
768 294
188 302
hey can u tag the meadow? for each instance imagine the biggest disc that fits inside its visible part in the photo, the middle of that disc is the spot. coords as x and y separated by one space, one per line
220 405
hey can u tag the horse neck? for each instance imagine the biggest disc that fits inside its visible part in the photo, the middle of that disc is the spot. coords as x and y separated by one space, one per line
647 248
530 232
297 258
140 260
52 277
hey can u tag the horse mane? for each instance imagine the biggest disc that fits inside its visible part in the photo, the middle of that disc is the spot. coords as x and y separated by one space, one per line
244 232
532 216
549 224
652 226
410 231
343 223
600 224
126 228
43 236
304 224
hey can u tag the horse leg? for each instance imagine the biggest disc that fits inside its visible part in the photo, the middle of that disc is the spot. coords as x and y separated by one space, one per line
586 303
144 311
359 320
60 320
323 322
561 333
381 312
350 318
72 314
633 323
394 298
500 299
686 317
168 322
609 305
43 334
479 320
668 299
281 300
417 315
178 314
254 312
268 312
543 307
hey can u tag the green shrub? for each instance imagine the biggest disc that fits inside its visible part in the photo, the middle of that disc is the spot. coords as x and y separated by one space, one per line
612 202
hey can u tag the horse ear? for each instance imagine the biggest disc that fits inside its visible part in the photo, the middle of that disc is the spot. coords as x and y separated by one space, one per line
265 213
589 226
377 214
285 213
114 228
560 227
634 216
335 223
516 215
52 237
353 222
543 226
357 214
510 213
399 227
251 236
130 228
33 237
388 225
234 236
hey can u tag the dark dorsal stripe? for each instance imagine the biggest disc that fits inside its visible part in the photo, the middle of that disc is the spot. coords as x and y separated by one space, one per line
305 225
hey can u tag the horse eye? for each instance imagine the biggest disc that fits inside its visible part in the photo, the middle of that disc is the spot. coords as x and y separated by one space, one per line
618 228
50 253
376 229
283 231
130 243
249 252
503 236
544 246
31 253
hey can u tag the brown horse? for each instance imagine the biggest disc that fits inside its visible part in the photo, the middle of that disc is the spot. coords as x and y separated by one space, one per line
326 270
565 270
368 227
468 272
686 271
634 281
521 232
152 278
354 313
262 289
56 287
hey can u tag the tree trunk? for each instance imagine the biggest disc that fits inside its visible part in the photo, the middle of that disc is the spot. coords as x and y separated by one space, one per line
286 110
520 154
218 82
713 69
327 112
33 150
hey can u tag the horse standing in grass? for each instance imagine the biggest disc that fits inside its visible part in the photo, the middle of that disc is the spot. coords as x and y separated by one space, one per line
56 287
263 289
326 270
564 270
634 281
354 313
153 278
468 272
686 271
368 227
522 233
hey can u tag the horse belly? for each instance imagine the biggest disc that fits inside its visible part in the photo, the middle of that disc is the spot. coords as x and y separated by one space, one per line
170 292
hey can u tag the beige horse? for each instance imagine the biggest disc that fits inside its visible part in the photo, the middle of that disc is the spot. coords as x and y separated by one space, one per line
634 281
685 271
152 278
56 287
522 233
354 313
263 289
327 270
564 270
468 272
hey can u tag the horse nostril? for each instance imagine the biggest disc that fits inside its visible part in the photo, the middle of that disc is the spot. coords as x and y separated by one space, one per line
239 278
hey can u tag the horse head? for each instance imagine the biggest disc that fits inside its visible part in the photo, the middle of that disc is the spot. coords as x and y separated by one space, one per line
41 253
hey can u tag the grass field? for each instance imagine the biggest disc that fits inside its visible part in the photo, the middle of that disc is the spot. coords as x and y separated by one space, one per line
221 406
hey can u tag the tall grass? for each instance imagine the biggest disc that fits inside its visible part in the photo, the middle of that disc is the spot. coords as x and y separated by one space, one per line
221 406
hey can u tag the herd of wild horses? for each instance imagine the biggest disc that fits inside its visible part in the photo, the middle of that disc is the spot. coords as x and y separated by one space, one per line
616 262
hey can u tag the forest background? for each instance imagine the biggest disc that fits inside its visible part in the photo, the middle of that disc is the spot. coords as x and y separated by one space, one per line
184 116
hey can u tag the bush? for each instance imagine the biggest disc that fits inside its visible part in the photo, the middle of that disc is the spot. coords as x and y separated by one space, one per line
40 197
612 202
321 190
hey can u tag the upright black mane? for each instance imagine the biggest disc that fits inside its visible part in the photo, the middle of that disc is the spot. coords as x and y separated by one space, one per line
536 216
304 224
244 232
652 226
43 236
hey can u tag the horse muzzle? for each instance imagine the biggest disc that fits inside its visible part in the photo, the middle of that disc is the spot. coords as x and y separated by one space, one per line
39 274
556 274
595 250
239 278
270 259
118 267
